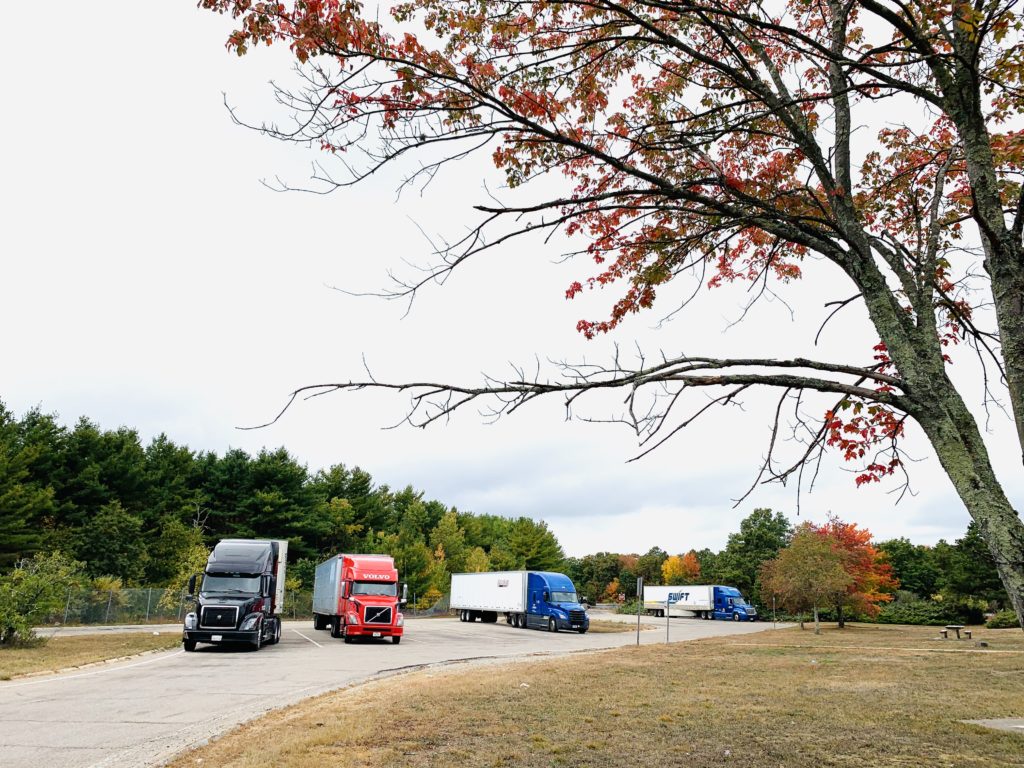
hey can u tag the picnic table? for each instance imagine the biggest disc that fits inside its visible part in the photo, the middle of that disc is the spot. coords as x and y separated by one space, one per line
955 628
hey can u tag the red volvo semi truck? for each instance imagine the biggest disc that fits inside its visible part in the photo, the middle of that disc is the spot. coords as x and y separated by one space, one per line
359 596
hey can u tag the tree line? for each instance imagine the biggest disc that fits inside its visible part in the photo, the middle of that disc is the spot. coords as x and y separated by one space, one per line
834 569
138 513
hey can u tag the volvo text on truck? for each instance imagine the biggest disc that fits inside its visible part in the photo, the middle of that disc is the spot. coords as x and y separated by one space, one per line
359 596
527 599
240 595
703 601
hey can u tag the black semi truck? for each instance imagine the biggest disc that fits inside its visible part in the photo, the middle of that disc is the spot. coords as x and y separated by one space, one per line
240 595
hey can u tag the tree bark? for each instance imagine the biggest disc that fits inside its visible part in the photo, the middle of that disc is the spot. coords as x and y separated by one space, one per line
954 434
817 623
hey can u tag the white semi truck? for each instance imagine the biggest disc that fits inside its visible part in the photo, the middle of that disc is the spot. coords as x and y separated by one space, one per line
527 599
705 601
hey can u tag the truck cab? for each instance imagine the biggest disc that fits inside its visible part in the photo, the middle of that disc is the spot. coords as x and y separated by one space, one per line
359 596
731 605
240 595
552 603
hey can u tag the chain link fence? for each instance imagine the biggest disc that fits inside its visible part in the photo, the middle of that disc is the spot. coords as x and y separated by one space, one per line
167 606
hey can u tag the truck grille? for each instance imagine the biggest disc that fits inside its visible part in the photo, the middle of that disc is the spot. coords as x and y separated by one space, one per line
577 617
377 614
219 617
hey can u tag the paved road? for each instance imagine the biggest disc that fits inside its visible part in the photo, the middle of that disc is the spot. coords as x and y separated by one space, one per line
143 711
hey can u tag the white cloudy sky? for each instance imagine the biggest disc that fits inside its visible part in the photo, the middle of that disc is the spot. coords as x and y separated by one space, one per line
150 280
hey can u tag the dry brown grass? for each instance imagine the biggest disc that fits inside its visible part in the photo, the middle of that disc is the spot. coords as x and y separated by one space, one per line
604 626
864 696
74 651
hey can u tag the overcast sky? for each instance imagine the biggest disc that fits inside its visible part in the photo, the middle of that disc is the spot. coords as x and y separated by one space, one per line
150 280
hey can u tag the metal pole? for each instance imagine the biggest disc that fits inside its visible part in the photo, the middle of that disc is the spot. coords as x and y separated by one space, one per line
67 606
773 611
149 599
666 619
639 605
110 599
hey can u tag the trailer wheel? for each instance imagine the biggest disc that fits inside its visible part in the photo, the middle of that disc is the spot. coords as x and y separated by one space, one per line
508 618
319 621
188 645
396 639
336 626
552 624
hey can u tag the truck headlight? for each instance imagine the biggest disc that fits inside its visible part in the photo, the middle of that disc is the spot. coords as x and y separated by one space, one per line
250 622
400 622
352 618
190 621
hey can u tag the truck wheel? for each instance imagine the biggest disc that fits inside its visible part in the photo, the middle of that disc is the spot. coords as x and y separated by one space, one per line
188 645
396 639
583 631
735 617
275 638
523 623
318 621
349 638
508 618
552 624
258 642
336 626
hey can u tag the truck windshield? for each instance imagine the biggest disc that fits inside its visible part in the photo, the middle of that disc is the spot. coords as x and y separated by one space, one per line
390 589
564 597
249 585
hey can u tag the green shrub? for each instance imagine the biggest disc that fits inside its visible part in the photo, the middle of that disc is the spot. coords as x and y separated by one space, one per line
1003 620
629 606
908 608
35 587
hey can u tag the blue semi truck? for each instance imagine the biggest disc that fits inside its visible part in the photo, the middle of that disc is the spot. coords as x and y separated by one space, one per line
527 599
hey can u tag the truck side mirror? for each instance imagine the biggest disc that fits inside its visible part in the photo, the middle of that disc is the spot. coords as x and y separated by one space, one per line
405 596
271 586
192 584
546 595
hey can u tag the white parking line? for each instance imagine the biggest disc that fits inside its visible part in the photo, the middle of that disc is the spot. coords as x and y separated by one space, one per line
314 642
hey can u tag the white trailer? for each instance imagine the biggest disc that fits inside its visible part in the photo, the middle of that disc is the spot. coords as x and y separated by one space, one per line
490 593
688 600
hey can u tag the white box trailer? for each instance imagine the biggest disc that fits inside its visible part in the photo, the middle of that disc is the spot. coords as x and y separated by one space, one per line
707 601
497 591
688 600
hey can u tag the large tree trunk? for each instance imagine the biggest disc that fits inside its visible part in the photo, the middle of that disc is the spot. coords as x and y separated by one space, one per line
954 434
840 617
817 624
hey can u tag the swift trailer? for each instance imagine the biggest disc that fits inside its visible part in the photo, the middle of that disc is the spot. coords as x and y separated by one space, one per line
527 599
358 596
240 595
703 601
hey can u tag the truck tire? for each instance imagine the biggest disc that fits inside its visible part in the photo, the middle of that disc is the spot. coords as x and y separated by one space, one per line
552 624
735 617
318 621
258 642
523 622
336 626
583 631
349 638
396 639
275 636
189 645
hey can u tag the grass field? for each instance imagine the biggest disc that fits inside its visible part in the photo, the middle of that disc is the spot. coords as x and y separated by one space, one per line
864 696
74 651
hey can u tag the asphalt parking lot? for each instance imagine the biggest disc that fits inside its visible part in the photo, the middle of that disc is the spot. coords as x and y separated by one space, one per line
142 711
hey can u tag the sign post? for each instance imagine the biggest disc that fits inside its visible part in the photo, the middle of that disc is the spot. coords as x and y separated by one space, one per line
639 604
